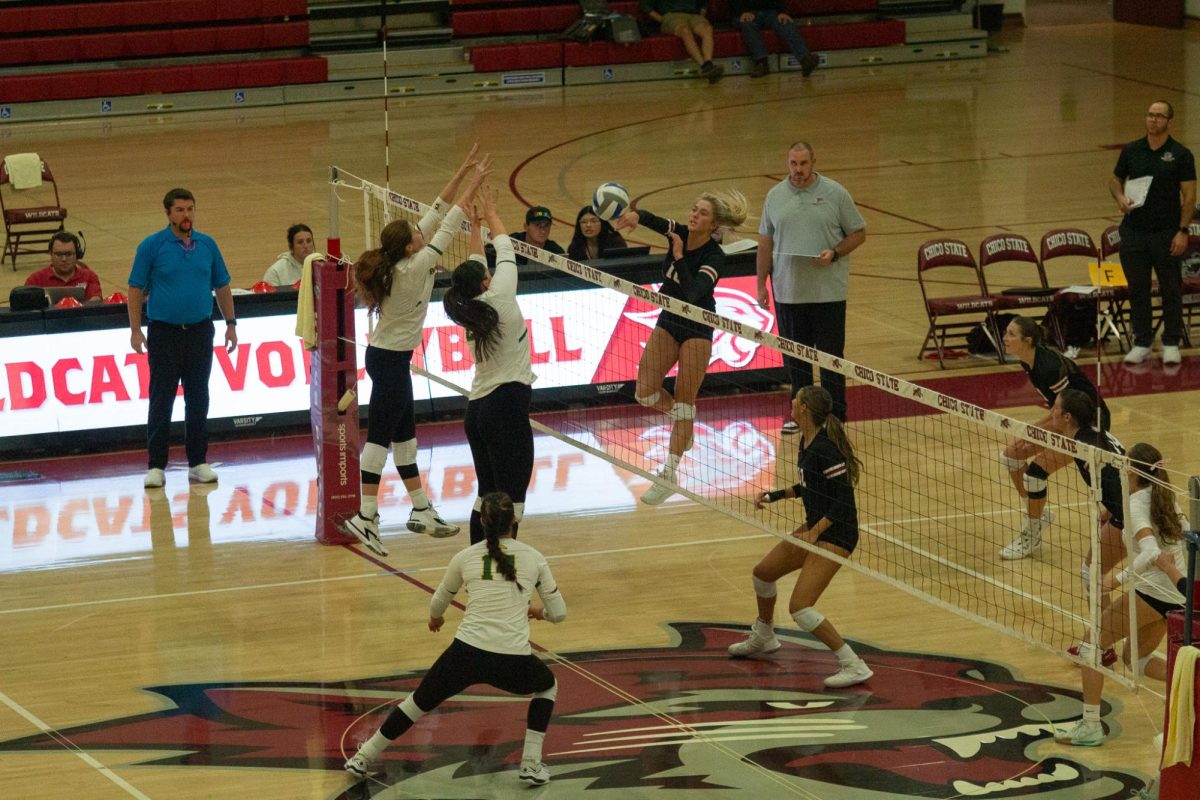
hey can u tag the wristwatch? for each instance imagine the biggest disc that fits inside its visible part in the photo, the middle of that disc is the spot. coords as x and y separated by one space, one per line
836 254
1185 230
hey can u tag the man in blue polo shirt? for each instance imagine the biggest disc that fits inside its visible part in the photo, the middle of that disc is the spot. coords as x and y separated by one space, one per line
179 269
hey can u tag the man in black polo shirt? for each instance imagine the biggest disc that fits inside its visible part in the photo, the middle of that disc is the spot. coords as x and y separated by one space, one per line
1154 234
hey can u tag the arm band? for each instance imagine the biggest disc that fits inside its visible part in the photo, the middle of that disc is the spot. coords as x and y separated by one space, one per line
776 496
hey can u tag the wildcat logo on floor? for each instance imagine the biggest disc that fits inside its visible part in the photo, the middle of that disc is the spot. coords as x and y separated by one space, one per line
681 721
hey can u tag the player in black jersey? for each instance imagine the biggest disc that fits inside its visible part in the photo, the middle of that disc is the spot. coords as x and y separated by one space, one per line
828 471
1050 373
691 268
1074 415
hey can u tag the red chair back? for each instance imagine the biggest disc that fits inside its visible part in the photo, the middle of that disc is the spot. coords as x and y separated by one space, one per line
1110 241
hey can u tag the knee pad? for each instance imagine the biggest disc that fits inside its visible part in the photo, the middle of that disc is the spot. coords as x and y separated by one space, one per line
1087 651
411 709
1035 481
1011 464
404 452
681 411
649 400
1085 573
763 588
549 694
373 458
808 618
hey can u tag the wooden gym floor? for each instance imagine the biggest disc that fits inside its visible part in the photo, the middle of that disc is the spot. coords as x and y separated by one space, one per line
195 642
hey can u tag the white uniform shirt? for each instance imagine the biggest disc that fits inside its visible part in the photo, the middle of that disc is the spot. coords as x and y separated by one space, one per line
508 361
1143 574
402 312
497 616
285 271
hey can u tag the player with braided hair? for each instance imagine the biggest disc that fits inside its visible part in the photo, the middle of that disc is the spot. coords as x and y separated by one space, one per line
492 643
691 268
828 472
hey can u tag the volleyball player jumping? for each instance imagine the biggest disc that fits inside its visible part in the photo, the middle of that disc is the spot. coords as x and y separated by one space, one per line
396 281
492 643
1050 373
497 417
828 472
691 269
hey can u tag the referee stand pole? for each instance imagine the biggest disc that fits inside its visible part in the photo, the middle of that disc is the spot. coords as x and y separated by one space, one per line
333 405
1182 781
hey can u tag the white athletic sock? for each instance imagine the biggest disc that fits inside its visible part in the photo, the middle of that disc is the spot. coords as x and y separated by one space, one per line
673 462
419 499
1091 713
370 505
373 747
764 628
846 655
533 746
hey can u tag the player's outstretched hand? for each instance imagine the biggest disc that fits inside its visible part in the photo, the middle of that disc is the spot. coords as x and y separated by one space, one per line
436 623
628 221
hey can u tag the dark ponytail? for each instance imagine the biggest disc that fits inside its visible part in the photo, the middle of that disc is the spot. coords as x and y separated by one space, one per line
498 515
819 405
1080 406
460 303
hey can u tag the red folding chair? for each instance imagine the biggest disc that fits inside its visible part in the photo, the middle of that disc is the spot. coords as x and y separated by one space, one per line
1073 250
26 226
954 316
1012 255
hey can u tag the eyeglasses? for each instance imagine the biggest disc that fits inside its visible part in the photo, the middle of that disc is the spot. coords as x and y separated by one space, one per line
1156 115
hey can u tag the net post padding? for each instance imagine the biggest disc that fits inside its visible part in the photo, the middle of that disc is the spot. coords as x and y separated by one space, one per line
333 400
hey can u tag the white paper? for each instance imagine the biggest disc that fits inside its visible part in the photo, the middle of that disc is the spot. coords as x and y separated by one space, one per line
1136 190
1080 290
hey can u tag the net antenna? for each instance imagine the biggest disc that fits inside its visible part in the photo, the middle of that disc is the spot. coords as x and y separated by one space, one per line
935 504
387 146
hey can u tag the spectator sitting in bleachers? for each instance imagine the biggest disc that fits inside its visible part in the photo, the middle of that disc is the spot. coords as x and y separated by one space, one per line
290 265
754 15
686 20
592 236
66 269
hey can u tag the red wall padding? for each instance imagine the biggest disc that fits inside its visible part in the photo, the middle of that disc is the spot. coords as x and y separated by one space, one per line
509 57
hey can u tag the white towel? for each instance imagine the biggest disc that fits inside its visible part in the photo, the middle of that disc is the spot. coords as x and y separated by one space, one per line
306 322
1182 717
24 170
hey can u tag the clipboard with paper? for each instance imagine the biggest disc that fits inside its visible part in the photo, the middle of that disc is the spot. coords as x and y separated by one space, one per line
1136 190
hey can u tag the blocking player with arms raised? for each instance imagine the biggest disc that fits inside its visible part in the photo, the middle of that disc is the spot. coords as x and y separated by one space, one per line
396 281
492 643
497 417
691 268
828 472
1050 373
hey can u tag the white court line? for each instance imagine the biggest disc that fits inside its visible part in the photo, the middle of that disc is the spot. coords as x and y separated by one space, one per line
72 747
361 576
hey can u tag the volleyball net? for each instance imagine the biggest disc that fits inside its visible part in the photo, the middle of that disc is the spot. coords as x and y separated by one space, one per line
935 503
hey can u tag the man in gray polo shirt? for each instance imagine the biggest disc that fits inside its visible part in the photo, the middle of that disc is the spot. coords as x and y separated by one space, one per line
809 227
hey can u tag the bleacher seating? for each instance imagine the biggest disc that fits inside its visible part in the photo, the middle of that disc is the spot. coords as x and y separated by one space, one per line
143 31
525 17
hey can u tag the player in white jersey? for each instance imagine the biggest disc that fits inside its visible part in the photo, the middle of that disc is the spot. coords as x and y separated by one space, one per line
396 281
497 417
491 646
1155 535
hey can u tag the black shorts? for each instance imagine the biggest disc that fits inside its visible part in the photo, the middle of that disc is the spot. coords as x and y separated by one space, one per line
462 665
682 328
1161 606
844 536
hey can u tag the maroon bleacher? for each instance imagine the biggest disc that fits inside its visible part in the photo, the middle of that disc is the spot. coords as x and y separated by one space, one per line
146 30
527 17
162 79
